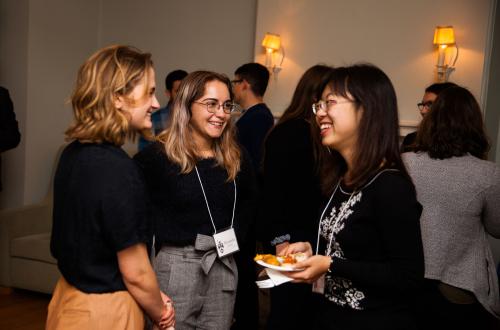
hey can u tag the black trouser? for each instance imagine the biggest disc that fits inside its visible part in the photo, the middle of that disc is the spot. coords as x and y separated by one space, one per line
434 311
292 305
246 308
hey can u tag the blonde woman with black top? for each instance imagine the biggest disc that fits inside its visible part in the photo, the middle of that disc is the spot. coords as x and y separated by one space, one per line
100 224
368 260
203 190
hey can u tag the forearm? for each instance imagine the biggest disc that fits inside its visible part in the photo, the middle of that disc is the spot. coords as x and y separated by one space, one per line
145 290
140 280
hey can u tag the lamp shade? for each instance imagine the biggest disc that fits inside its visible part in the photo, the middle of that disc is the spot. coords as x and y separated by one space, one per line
272 41
444 35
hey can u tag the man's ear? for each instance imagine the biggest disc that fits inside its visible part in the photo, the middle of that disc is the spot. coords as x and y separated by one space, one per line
245 84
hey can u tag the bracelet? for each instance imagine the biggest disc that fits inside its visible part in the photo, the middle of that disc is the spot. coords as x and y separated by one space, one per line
280 239
331 262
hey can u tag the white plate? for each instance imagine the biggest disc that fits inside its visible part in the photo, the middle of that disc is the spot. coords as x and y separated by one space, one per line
282 268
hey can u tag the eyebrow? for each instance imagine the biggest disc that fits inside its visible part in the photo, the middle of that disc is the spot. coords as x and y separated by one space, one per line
214 99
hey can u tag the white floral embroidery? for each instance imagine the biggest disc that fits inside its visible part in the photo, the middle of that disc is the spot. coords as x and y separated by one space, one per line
337 289
341 291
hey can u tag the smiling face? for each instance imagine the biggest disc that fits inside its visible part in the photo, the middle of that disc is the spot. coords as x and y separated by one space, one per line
338 122
206 126
140 103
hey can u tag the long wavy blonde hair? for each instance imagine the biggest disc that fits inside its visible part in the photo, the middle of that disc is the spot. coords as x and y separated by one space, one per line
109 73
177 139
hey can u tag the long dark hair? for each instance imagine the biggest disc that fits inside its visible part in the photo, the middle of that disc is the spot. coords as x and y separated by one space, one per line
308 91
378 131
453 127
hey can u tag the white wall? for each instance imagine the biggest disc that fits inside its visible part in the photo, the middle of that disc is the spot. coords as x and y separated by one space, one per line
392 34
43 43
61 35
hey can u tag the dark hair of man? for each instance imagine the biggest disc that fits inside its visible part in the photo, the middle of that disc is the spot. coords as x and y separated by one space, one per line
256 75
173 77
308 90
453 127
439 87
378 131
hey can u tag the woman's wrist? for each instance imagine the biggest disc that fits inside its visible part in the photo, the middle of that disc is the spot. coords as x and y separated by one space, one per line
163 312
328 264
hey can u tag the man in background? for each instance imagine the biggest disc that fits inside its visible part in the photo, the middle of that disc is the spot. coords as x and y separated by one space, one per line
9 129
430 95
249 85
159 117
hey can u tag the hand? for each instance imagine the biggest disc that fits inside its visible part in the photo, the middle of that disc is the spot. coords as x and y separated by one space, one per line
281 247
304 247
314 267
156 327
167 320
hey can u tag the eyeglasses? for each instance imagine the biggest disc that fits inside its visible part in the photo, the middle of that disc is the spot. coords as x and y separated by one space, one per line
423 105
326 105
213 106
236 81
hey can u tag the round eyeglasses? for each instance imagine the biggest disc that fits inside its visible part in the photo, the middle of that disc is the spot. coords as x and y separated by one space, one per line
423 105
326 105
212 106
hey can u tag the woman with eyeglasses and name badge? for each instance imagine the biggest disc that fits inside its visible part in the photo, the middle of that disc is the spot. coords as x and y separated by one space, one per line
368 260
203 191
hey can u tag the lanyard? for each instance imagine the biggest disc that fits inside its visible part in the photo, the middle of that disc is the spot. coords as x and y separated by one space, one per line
339 216
206 201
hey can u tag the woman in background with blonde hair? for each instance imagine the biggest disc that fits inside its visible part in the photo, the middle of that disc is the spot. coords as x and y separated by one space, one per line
202 188
100 222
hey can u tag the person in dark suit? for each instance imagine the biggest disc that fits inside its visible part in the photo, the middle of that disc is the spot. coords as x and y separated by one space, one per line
9 129
249 86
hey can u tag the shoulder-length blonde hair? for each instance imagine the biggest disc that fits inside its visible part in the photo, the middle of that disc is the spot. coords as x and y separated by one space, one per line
179 145
109 73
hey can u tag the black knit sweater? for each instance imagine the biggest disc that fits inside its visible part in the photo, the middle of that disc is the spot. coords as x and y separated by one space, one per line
179 208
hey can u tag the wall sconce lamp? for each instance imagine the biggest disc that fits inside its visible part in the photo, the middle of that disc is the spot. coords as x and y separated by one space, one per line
444 37
272 44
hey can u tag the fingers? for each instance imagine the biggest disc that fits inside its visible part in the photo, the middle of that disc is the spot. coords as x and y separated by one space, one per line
168 317
281 247
294 248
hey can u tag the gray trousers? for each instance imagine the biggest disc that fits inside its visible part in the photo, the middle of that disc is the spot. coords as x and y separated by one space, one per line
202 286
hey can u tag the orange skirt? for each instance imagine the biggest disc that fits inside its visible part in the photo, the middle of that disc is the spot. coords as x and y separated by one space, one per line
71 309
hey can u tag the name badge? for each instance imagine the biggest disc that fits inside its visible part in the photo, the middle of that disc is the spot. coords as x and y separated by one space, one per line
319 285
226 242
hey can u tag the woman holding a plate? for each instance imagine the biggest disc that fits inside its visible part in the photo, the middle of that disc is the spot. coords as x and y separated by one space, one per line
368 259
